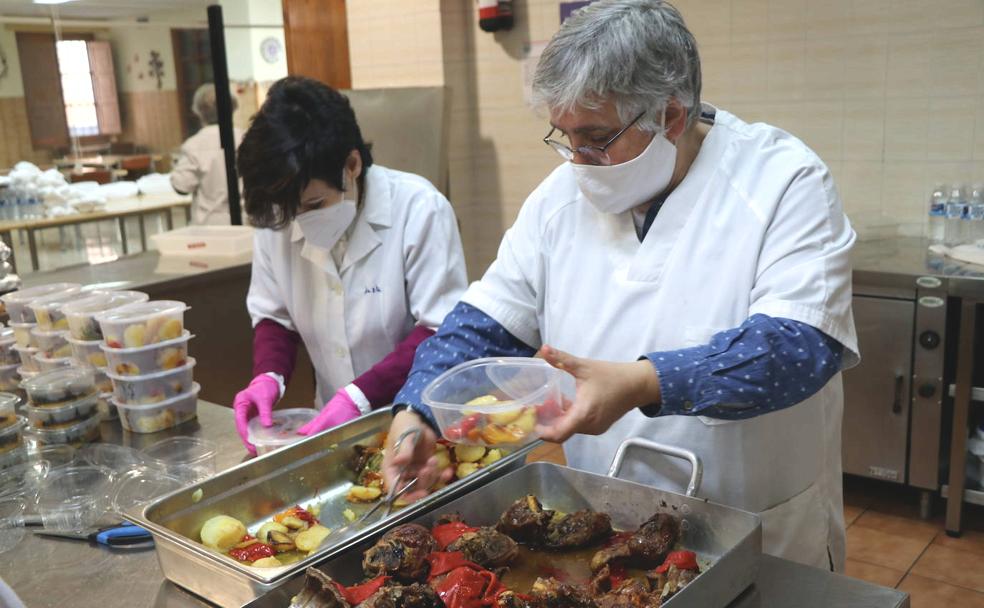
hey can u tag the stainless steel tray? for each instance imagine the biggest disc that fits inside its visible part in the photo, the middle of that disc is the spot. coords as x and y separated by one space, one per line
313 470
731 539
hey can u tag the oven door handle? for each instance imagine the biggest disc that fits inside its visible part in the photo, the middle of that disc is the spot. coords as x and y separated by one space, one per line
696 468
899 385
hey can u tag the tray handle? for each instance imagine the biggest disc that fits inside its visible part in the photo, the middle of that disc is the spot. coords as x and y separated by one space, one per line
696 468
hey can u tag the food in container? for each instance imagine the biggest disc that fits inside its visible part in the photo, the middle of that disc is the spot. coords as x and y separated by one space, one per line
11 522
60 386
144 323
107 411
88 353
284 429
102 381
148 359
74 498
25 374
61 416
153 388
78 434
159 416
16 301
188 458
10 378
52 344
81 314
46 365
11 436
26 354
8 356
8 409
48 309
496 401
22 334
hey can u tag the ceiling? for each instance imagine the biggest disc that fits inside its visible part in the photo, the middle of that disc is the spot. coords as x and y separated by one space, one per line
100 9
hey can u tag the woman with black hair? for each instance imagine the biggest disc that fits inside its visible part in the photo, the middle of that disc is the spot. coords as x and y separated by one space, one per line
359 261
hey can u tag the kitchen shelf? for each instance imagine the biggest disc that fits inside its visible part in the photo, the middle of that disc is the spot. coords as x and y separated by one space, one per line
974 497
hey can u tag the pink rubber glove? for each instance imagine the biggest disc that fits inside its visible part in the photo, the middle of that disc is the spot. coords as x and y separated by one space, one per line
340 409
261 395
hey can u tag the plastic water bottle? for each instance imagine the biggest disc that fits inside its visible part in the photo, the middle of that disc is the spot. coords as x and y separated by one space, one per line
935 227
954 216
975 213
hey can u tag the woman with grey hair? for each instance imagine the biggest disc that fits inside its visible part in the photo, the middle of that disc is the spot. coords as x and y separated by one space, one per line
200 170
688 269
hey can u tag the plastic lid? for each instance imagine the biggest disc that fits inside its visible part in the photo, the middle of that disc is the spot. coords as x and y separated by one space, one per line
182 451
117 458
23 479
152 376
23 296
284 429
7 334
57 455
49 333
521 380
78 378
55 300
26 349
103 301
89 401
9 402
187 335
142 486
18 425
195 388
141 311
15 325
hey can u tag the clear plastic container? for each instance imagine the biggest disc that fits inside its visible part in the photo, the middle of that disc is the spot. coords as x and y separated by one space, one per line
18 455
16 301
10 378
88 352
140 487
153 388
102 381
25 374
22 334
76 435
105 407
11 522
12 435
48 310
117 458
284 429
148 359
159 416
46 365
190 459
142 324
74 498
63 416
496 402
8 409
8 356
205 240
26 354
81 314
56 455
52 344
60 386
24 479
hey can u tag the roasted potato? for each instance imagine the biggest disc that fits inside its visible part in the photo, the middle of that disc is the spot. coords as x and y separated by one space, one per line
465 469
266 562
468 453
363 493
309 539
264 532
222 532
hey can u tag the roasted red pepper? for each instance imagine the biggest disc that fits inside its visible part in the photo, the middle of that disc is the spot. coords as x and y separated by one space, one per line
356 594
252 553
683 560
299 513
464 584
550 410
445 534
463 428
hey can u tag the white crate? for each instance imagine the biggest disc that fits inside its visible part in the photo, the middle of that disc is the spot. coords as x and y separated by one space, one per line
206 241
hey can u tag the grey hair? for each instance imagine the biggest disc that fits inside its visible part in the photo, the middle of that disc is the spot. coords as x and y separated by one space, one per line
635 53
204 106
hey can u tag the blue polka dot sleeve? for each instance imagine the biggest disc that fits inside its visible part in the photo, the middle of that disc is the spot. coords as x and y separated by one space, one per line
467 333
765 364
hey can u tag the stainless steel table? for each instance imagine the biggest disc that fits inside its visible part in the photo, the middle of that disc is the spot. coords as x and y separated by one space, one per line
48 572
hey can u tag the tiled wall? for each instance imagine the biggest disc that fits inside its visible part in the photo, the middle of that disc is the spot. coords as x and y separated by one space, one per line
151 119
15 136
890 93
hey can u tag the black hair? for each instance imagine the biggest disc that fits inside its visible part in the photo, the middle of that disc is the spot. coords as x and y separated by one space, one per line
305 130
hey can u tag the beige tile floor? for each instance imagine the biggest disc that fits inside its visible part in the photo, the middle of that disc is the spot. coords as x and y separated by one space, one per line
888 544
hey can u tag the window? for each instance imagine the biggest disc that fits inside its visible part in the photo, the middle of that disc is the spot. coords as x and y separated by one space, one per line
76 81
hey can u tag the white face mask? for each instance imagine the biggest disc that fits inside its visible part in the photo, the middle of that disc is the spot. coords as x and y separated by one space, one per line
323 227
618 188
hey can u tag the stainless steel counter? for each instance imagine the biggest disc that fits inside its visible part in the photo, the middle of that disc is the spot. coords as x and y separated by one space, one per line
47 572
898 261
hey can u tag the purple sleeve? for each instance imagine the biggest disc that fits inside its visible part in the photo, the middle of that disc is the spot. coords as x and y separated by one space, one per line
274 349
382 381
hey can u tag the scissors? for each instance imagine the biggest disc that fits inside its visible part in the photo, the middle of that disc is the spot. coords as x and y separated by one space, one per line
114 536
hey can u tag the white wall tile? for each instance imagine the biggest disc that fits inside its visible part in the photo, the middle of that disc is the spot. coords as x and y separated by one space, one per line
825 64
864 130
787 19
979 132
865 66
749 21
951 128
860 186
747 71
787 70
906 129
955 58
910 68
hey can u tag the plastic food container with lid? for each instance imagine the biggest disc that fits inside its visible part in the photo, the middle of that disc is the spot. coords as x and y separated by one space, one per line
10 378
52 344
78 434
56 455
88 352
155 387
141 324
159 416
141 487
190 459
8 356
102 381
22 334
48 309
25 374
26 354
148 359
284 429
60 386
16 301
12 435
46 365
8 409
497 402
11 522
107 411
74 498
61 416
81 314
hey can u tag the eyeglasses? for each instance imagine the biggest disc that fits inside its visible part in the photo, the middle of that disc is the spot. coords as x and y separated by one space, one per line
595 155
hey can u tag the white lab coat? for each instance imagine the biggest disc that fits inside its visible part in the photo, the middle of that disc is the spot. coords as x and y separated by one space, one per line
200 171
401 265
755 227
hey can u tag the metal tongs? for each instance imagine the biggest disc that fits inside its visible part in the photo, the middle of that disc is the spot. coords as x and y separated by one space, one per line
392 495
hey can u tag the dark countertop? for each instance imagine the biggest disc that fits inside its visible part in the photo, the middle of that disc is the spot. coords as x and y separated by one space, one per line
899 261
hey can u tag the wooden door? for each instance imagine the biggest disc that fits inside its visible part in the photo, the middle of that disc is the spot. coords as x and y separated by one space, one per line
104 87
42 90
193 68
316 34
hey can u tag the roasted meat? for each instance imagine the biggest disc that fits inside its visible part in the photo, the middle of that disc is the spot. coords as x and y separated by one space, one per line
579 529
632 593
486 547
610 555
448 518
416 595
671 581
511 599
319 591
400 553
551 593
525 521
647 547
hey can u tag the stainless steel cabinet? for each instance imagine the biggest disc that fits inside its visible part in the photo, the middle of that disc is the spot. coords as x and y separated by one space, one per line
877 391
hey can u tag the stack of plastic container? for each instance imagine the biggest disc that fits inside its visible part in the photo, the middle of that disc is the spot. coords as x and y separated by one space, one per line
23 323
12 449
9 361
62 406
85 337
146 348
